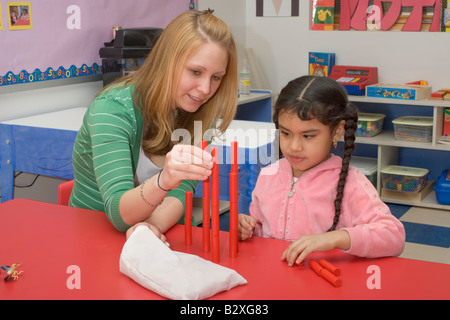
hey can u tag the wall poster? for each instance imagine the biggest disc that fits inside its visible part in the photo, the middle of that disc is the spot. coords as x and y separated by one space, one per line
277 8
19 14
56 39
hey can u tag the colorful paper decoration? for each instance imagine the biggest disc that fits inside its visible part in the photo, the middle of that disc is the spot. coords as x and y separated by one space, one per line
49 74
354 14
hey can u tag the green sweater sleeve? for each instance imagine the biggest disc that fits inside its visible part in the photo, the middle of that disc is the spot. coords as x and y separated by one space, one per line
113 132
106 153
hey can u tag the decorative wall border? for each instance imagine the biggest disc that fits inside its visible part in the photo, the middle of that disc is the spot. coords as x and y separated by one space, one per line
50 74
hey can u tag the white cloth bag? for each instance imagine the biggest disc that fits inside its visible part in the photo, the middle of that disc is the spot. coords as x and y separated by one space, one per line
174 275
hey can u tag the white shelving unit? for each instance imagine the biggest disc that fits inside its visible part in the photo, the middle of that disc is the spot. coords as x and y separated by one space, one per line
388 146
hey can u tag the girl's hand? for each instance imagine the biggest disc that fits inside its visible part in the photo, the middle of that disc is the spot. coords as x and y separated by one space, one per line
185 162
155 230
246 226
300 248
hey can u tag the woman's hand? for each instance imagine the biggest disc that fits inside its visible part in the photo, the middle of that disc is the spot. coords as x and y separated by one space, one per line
246 226
154 229
185 162
300 248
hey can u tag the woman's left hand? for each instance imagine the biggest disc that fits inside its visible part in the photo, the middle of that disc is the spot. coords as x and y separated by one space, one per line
154 229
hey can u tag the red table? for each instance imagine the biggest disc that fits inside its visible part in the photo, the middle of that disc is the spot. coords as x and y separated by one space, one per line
49 238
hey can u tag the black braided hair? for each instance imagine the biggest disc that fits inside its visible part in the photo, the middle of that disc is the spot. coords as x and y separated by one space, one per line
349 145
326 100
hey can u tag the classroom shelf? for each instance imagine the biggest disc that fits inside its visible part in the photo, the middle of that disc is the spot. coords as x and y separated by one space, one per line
255 107
387 138
388 147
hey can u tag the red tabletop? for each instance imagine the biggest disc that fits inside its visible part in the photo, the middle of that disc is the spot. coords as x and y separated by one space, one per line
48 239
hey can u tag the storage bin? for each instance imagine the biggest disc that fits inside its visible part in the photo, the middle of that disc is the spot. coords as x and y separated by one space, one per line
442 188
400 178
369 124
413 128
367 166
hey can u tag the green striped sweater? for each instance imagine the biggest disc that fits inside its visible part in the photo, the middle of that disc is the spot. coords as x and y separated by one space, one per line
106 153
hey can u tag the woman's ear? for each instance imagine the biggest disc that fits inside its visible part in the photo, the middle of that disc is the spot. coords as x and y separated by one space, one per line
339 131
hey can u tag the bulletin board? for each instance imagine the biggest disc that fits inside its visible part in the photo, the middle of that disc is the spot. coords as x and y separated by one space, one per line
55 39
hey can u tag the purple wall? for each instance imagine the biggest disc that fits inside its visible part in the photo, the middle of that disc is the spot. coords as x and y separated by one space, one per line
55 39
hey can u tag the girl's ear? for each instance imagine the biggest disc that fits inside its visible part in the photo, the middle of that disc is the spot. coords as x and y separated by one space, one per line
339 131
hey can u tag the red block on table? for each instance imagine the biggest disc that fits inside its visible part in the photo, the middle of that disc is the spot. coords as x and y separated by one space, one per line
206 206
234 202
324 273
215 207
234 205
234 157
330 267
188 218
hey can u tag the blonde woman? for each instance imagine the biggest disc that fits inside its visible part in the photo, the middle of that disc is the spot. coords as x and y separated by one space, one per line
125 162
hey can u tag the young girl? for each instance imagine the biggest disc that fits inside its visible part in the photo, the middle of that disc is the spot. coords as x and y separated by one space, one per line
315 199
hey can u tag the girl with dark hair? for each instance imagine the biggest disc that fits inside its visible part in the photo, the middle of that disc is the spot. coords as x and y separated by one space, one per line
312 197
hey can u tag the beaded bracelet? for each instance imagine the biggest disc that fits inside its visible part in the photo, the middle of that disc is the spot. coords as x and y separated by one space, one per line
145 200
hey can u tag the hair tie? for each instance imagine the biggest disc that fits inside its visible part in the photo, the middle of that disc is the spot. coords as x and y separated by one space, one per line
210 10
159 174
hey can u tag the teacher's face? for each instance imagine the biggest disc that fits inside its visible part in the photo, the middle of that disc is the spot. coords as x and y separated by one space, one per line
201 76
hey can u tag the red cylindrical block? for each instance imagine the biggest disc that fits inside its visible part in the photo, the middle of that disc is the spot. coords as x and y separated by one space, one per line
234 211
188 218
215 207
206 209
324 273
330 267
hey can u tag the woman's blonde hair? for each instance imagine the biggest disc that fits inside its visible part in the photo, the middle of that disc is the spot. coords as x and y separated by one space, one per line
157 80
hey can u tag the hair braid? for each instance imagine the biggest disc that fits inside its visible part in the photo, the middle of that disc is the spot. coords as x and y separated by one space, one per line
349 142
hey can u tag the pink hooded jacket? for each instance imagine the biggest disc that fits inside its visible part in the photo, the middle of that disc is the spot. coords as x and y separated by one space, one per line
373 230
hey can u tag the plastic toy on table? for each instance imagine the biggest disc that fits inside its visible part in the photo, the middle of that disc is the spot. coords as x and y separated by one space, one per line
11 271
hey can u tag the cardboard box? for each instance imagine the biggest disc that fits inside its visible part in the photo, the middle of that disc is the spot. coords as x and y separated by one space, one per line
398 91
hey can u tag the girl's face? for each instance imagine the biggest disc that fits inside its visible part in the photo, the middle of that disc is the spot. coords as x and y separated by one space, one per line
201 76
305 143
